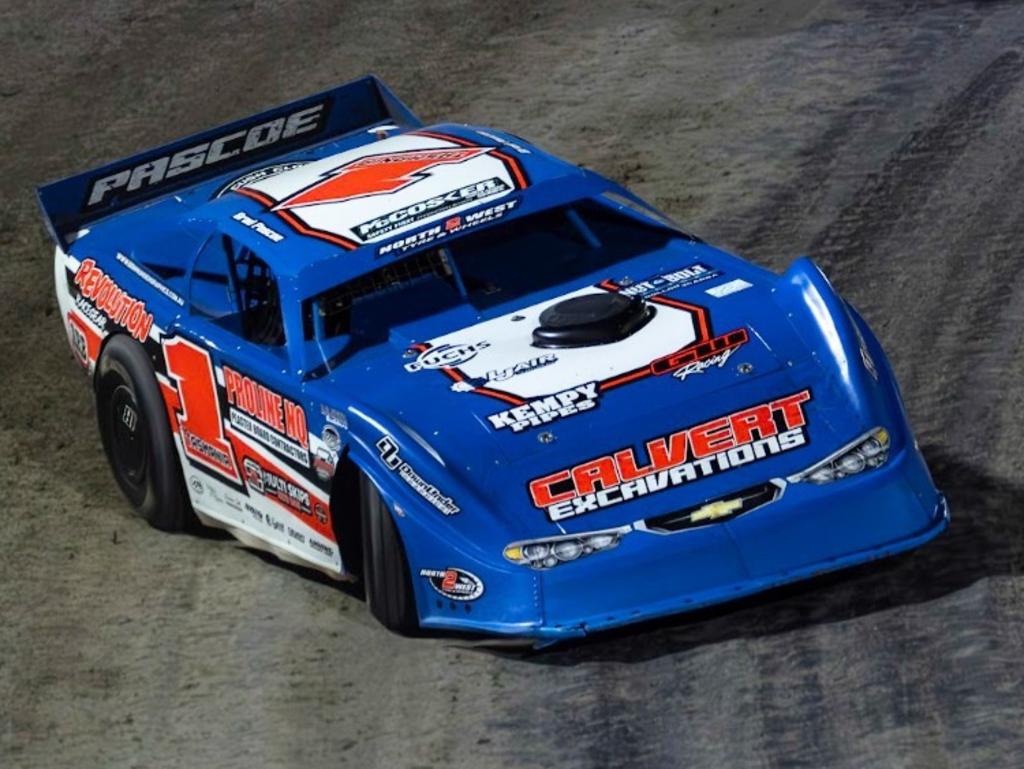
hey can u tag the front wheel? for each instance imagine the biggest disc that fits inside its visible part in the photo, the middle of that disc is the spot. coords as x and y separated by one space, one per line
136 436
389 592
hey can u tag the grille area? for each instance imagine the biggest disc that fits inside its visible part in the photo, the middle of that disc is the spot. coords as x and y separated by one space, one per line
718 510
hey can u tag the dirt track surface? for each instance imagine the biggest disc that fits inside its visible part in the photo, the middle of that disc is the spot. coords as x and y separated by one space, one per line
883 138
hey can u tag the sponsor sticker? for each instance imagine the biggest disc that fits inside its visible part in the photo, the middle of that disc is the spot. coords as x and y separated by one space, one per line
523 367
334 416
257 226
431 207
154 172
542 411
675 459
454 584
725 289
377 174
257 175
111 300
445 356
254 407
453 225
389 455
698 358
276 487
152 281
671 281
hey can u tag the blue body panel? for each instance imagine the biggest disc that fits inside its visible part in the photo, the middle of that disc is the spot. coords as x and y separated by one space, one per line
798 336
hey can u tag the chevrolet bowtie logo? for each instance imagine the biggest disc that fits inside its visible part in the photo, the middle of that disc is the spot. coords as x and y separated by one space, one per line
717 509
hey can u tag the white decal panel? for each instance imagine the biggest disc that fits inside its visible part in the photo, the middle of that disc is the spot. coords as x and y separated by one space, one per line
387 188
498 357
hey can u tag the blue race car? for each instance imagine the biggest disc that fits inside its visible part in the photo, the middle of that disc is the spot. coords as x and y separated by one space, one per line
501 390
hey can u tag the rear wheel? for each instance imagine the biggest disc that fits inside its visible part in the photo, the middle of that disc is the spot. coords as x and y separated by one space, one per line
136 437
389 592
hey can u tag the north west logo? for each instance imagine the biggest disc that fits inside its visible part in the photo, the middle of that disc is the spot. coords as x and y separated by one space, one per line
377 175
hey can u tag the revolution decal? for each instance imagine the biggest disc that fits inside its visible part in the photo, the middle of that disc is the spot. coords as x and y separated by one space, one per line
385 188
108 298
389 455
675 459
454 584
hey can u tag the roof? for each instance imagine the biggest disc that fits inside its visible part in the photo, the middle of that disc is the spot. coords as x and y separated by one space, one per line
329 213
336 210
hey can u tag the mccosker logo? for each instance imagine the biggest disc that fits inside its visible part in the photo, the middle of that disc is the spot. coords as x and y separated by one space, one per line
681 457
112 300
543 410
435 206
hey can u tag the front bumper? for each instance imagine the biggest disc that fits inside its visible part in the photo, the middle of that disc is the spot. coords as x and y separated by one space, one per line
807 531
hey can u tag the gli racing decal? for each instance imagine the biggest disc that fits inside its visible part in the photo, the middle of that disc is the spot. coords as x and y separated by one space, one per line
389 455
388 187
668 461
106 300
698 358
454 584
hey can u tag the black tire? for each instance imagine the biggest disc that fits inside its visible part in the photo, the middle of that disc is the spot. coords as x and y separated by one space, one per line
386 577
136 437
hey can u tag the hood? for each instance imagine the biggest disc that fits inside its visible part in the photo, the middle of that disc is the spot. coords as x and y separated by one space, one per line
612 377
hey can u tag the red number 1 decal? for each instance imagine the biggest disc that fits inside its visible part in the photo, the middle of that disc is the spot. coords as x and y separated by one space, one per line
199 420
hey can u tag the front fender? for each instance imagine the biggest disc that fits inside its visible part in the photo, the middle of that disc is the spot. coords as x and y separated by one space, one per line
852 366
453 529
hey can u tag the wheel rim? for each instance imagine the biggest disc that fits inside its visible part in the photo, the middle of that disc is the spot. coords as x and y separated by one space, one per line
129 437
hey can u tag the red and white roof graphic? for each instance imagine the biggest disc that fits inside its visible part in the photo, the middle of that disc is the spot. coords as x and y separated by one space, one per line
386 188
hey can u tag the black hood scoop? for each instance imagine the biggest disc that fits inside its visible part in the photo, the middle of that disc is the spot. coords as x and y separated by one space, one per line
591 319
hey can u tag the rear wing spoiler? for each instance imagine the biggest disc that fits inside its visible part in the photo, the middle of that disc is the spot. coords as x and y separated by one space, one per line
70 204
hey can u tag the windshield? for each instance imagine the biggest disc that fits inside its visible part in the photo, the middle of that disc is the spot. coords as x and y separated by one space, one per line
503 263
490 267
